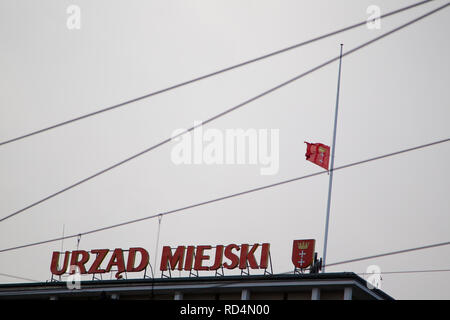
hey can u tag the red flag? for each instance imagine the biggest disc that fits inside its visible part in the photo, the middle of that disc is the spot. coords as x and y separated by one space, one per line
318 153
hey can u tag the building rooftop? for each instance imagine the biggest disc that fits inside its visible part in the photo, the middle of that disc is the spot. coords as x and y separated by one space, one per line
336 286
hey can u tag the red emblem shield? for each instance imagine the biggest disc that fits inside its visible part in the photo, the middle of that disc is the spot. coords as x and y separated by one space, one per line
303 253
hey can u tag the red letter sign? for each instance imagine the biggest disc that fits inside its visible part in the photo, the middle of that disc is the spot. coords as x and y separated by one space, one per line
55 263
132 257
172 261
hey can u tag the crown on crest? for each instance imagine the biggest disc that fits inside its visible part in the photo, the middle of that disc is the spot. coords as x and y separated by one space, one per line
303 245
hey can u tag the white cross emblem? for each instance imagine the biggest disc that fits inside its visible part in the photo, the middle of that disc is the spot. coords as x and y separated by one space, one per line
301 254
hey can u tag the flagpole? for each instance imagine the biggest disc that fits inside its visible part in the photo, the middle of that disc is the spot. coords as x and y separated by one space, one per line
330 184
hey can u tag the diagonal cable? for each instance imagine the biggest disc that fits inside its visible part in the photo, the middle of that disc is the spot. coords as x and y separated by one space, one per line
209 75
159 215
226 112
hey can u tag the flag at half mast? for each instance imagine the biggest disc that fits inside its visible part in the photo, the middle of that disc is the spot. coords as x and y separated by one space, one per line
318 153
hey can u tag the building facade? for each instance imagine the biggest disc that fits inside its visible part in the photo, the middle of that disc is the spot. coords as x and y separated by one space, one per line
318 286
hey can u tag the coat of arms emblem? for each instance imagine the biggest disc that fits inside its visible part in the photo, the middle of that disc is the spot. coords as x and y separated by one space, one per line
303 253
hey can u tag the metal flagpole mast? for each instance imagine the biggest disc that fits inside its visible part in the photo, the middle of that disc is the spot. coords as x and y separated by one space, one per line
62 240
330 184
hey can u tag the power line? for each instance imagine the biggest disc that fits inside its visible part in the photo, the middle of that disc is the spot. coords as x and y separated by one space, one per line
225 112
406 271
390 253
158 215
182 84
16 277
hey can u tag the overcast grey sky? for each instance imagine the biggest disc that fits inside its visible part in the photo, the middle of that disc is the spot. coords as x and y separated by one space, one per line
394 95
